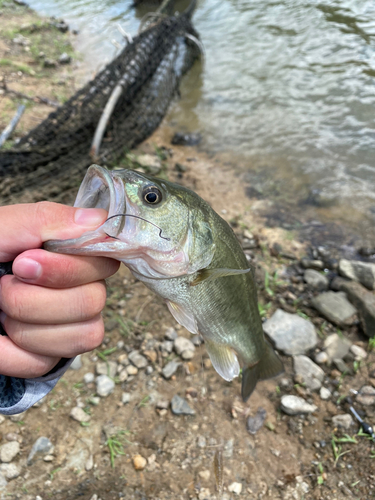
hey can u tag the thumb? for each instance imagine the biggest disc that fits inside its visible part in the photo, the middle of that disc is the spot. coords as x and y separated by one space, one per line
28 225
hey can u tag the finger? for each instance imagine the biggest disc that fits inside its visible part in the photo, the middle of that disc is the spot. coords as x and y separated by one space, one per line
39 305
16 362
40 267
28 225
63 341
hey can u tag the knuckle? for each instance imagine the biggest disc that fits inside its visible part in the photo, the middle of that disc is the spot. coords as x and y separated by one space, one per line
40 367
93 299
92 337
13 300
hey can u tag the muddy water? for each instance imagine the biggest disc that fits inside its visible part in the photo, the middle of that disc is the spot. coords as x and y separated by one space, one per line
286 93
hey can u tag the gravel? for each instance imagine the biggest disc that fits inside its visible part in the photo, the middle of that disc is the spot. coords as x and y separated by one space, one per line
137 359
170 369
335 307
42 446
79 415
344 421
179 406
294 405
253 424
336 347
104 386
311 373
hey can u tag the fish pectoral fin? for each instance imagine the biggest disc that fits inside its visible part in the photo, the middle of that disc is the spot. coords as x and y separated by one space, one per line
183 316
213 274
223 359
269 365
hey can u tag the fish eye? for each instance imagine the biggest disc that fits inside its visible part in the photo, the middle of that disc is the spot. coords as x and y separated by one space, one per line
152 195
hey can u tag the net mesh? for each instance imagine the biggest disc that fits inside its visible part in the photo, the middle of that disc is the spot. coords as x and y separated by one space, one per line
148 71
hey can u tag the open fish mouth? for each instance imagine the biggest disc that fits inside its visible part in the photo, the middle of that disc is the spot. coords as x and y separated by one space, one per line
100 188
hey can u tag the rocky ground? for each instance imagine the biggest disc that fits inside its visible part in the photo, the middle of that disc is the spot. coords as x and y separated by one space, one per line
145 416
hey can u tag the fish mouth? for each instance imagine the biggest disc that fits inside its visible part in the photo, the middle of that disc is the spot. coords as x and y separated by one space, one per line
100 188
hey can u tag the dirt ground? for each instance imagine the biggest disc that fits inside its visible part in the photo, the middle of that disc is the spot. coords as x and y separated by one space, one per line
290 457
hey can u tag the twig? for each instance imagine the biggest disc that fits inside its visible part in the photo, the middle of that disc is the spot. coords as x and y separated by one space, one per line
38 99
103 122
126 35
12 125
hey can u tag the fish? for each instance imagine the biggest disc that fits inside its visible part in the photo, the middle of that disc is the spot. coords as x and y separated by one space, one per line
180 248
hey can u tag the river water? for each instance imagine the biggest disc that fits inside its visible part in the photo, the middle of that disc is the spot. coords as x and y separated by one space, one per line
287 92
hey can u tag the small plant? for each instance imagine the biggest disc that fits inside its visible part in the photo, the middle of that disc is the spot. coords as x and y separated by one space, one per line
371 344
144 401
337 453
320 479
116 445
263 308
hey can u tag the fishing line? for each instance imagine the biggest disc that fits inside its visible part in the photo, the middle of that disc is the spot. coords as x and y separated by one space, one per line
136 217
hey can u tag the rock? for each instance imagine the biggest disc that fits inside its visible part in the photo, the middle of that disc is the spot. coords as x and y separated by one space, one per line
151 355
9 451
108 368
42 446
290 333
204 474
170 369
345 421
293 405
365 396
362 272
362 299
311 373
125 398
88 378
65 58
341 365
358 352
180 168
201 442
21 40
321 358
94 400
316 280
166 346
89 463
336 347
77 363
181 344
253 424
324 393
123 375
49 63
180 139
312 264
10 471
188 354
235 488
132 370
2 419
137 359
179 406
139 462
61 26
3 482
150 162
170 334
228 448
104 386
79 415
335 307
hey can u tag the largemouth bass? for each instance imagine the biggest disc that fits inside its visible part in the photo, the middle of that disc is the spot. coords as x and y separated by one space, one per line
174 243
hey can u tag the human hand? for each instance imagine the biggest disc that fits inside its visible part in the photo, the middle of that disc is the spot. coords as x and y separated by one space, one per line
51 306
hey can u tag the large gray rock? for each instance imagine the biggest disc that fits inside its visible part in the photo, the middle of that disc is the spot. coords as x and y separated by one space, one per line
345 421
104 386
170 369
336 347
335 307
290 333
363 272
9 451
137 359
362 299
294 405
316 280
42 446
179 406
366 395
311 373
10 471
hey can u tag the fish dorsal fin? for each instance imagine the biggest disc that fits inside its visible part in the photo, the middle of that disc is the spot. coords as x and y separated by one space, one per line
224 360
213 274
183 316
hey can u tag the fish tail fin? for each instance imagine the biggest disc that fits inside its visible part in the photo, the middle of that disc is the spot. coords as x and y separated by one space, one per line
269 366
